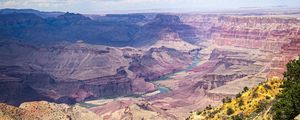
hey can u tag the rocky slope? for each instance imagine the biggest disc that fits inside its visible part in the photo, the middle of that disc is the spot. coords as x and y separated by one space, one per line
72 73
266 33
276 99
47 71
159 61
250 104
45 111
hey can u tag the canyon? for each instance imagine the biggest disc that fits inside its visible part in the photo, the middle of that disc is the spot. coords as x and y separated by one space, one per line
141 66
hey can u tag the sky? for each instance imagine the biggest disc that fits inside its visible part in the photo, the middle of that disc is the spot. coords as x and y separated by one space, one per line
99 6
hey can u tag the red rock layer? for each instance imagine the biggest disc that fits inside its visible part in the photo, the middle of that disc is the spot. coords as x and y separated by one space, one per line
279 35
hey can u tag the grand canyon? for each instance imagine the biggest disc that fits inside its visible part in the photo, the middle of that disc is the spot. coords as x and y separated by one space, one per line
137 66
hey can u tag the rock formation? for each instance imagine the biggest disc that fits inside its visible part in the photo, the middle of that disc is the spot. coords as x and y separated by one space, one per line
45 111
234 51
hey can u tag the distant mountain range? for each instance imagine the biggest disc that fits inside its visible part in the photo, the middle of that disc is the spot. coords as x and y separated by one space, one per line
39 13
32 26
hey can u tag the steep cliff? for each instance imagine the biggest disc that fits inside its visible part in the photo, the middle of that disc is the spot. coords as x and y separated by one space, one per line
270 34
158 62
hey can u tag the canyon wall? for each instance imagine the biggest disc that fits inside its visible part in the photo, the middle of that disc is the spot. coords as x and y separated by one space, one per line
74 72
271 34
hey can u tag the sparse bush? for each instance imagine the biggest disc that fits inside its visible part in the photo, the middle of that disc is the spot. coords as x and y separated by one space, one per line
198 112
208 107
223 100
246 89
281 86
229 111
261 106
210 114
238 117
267 87
229 100
241 102
226 100
254 94
238 95
272 82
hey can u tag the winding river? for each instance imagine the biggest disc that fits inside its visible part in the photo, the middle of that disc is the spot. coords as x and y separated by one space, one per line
163 89
160 89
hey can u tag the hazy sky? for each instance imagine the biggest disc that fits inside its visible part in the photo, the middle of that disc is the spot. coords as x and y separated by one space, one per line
98 6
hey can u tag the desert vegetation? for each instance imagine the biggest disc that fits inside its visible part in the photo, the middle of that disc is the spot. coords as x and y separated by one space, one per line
276 99
287 105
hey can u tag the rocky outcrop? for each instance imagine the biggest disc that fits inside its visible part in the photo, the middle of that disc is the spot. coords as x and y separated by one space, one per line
20 84
17 85
63 73
158 62
297 118
278 35
218 96
125 109
45 111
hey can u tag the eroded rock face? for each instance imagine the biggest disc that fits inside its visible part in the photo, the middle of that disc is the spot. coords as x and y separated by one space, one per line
159 61
17 85
70 73
278 35
45 111
79 61
238 51
21 85
130 109
64 74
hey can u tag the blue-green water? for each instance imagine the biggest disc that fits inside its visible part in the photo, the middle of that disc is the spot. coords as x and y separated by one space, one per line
163 89
87 105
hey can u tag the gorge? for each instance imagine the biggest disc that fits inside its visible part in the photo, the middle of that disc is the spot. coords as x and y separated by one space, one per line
158 66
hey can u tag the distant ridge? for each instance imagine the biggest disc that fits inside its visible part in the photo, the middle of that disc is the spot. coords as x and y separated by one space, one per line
37 12
33 26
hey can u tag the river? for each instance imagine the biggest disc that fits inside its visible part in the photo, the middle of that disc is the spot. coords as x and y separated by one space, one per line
163 89
160 89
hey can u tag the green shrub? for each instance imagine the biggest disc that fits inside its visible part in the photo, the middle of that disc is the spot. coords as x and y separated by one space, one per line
287 106
238 95
229 111
268 97
261 106
208 107
223 100
246 89
241 102
238 117
267 87
226 100
198 112
254 94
